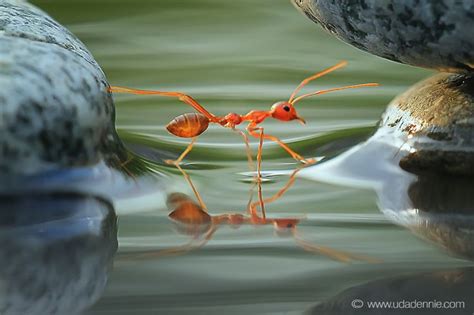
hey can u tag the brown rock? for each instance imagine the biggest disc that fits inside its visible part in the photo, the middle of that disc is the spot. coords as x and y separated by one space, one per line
437 118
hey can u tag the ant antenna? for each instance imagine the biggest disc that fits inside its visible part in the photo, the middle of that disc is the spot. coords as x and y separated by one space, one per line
299 98
315 76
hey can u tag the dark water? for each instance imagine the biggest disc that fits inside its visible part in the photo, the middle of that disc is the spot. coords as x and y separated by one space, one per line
238 56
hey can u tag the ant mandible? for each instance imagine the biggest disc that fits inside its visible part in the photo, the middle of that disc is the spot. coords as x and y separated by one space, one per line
191 125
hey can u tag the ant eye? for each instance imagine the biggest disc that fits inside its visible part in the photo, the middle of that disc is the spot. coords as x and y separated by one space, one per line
289 225
286 109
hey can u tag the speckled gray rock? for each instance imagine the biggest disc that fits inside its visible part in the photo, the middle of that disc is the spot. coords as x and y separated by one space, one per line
436 119
428 33
55 111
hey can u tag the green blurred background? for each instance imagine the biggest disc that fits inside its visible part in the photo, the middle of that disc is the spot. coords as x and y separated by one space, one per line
238 56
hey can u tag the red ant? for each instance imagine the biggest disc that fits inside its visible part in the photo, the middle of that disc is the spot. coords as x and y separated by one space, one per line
191 125
192 219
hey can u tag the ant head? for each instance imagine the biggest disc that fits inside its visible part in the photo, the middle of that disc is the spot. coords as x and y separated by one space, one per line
285 111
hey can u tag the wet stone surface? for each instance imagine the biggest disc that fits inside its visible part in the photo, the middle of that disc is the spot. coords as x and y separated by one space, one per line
427 33
436 119
55 111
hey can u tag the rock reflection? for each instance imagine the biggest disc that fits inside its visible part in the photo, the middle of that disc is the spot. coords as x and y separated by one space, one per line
440 292
442 211
56 251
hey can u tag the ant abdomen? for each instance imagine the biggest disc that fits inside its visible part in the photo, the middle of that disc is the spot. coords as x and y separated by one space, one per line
188 125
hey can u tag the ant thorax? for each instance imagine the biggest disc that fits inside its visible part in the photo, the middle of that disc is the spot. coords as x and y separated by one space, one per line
231 120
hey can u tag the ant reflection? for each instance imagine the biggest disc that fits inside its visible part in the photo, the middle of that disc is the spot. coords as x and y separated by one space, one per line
191 218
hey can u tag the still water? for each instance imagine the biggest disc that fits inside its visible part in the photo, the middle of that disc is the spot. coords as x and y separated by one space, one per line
235 56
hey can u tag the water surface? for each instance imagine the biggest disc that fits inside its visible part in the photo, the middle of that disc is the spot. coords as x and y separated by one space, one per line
238 56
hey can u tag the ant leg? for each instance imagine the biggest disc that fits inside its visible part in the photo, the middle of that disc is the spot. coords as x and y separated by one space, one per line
255 219
190 182
250 207
247 148
123 165
185 175
332 253
178 250
185 152
279 194
189 247
259 173
181 96
251 129
287 186
183 249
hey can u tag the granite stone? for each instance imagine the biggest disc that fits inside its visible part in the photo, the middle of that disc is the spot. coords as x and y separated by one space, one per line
436 119
436 34
55 110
